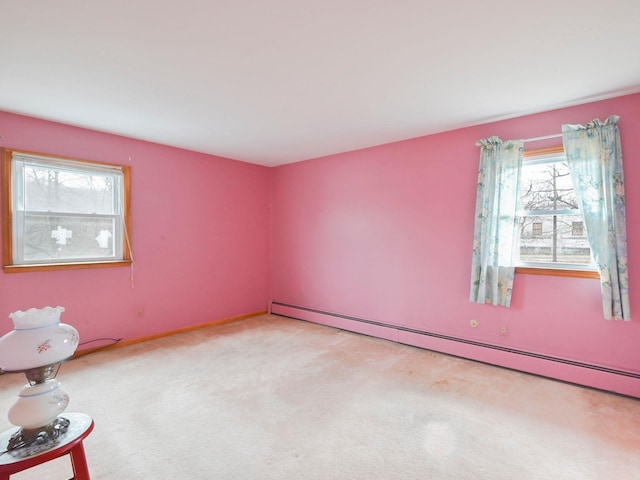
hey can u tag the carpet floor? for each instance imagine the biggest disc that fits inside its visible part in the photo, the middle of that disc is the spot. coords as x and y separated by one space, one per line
275 398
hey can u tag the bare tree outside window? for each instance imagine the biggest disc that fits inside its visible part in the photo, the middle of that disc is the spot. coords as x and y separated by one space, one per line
550 215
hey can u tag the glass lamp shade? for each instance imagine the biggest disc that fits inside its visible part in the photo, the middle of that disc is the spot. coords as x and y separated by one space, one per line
38 339
39 404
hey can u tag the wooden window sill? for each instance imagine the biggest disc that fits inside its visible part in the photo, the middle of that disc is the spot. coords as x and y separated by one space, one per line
557 272
64 266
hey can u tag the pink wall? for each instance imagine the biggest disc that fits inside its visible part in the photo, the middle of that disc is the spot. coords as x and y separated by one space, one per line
382 234
200 239
385 234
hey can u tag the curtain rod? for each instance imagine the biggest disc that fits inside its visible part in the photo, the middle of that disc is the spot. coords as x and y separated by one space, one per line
545 137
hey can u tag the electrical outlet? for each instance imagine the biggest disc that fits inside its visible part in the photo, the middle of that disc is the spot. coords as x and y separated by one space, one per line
503 330
140 312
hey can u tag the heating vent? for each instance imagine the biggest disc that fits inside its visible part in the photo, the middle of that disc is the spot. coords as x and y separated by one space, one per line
334 320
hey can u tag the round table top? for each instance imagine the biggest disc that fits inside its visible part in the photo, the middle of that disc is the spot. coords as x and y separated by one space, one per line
79 427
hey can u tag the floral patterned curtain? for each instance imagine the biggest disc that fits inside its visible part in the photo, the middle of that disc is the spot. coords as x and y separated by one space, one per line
495 233
595 162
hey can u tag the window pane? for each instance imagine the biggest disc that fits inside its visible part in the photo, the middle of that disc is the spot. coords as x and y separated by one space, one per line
48 238
537 229
547 186
577 229
553 239
57 190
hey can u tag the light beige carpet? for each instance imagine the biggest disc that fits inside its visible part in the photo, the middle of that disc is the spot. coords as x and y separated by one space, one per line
275 398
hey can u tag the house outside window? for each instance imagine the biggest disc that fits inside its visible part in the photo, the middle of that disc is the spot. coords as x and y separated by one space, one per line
61 212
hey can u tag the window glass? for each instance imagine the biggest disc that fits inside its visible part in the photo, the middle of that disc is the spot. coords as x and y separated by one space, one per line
551 224
53 189
49 237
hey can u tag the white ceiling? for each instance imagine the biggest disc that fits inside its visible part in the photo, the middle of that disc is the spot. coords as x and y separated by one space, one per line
277 81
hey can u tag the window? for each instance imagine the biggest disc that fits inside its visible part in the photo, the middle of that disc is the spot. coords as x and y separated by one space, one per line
63 213
550 221
537 229
577 229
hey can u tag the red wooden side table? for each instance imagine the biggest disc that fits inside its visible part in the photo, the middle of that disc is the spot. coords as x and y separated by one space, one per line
70 443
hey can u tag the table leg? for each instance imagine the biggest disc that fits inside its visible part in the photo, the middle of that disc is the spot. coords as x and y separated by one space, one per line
79 463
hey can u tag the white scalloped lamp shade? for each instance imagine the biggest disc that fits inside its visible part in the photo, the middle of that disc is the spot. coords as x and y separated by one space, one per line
38 339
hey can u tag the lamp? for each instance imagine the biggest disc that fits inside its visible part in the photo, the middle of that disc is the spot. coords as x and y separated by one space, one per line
37 346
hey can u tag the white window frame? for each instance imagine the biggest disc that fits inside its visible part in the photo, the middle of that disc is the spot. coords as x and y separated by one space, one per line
14 212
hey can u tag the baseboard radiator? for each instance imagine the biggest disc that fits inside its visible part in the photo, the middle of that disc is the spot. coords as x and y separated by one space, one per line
581 373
